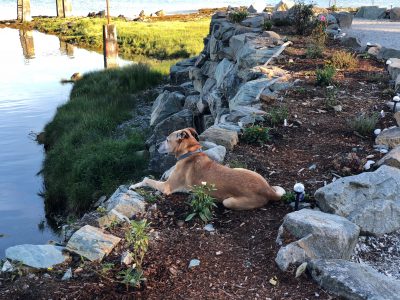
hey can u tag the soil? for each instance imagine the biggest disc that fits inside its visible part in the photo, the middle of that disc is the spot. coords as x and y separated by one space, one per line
237 260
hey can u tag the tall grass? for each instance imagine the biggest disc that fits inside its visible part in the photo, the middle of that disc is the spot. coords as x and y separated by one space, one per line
84 159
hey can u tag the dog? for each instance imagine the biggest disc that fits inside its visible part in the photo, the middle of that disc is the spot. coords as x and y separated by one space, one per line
237 189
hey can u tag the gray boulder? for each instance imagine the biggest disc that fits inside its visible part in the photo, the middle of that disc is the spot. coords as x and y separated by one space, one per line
351 42
395 14
227 80
208 69
345 19
386 53
220 136
391 159
223 30
179 73
370 12
394 67
216 153
166 105
126 202
37 256
318 235
389 137
191 103
371 200
354 281
253 21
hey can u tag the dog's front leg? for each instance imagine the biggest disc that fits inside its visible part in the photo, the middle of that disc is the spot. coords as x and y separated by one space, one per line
163 187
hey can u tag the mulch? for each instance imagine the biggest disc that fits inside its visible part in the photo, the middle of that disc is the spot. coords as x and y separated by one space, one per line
237 260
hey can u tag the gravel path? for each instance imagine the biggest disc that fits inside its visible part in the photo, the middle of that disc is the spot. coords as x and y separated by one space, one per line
383 32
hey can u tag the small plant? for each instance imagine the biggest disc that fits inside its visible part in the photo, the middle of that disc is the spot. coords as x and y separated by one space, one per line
302 15
237 164
365 55
325 76
277 115
288 197
101 210
267 25
137 238
314 51
330 97
201 202
238 16
343 60
256 134
106 267
132 277
364 124
318 33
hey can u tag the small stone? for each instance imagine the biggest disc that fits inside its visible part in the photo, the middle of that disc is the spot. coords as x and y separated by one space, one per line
273 281
218 253
68 275
78 270
7 267
368 165
312 167
194 263
377 131
126 258
300 270
209 228
337 108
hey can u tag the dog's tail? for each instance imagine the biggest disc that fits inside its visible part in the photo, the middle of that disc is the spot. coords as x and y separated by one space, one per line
279 192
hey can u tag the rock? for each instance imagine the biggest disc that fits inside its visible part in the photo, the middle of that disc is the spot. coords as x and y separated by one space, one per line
37 256
370 12
160 13
191 103
345 19
397 118
390 137
253 21
374 51
112 217
166 105
208 68
194 263
390 104
386 53
351 42
217 153
126 202
284 5
126 258
198 79
391 159
395 14
350 280
220 136
209 228
226 78
67 275
179 73
370 200
216 47
91 243
394 67
319 235
7 267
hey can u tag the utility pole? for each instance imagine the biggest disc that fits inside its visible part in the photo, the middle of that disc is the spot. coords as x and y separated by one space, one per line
110 42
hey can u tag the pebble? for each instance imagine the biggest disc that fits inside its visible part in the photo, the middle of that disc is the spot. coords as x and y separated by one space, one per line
209 228
68 275
337 108
377 131
368 165
194 263
218 253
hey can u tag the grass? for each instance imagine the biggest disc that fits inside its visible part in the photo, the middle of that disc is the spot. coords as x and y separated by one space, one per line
277 115
158 43
364 124
84 158
343 60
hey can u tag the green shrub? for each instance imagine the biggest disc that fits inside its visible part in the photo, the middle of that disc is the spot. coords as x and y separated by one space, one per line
84 160
314 51
238 16
325 76
256 135
302 16
343 60
267 25
281 22
277 115
201 202
138 240
330 97
131 277
364 124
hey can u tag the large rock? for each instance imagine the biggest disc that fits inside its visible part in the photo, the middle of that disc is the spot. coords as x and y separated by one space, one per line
126 202
394 67
253 21
395 14
318 235
391 159
351 42
345 19
37 256
192 103
227 80
371 200
354 281
370 12
91 243
220 136
216 153
179 73
112 217
389 137
208 69
166 105
386 53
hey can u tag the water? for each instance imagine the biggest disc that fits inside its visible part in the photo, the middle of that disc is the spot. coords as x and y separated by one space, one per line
32 65
130 8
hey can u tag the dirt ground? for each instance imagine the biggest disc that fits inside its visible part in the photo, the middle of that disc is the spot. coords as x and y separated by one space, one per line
237 259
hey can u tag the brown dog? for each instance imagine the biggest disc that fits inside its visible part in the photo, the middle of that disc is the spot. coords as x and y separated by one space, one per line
238 189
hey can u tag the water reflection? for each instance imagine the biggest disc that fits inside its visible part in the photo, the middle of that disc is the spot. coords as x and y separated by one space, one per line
66 49
27 44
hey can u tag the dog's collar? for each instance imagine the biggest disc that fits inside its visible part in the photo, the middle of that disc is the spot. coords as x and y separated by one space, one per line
188 154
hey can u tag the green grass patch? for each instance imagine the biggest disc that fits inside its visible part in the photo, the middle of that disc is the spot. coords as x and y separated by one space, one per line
84 158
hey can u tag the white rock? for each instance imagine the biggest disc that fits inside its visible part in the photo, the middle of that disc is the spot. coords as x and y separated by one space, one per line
368 164
126 202
209 228
68 275
7 267
377 131
194 263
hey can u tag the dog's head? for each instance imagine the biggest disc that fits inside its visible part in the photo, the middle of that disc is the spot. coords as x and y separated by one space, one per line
180 142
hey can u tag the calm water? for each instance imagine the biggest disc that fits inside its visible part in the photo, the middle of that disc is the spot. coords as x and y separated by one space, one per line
32 65
129 8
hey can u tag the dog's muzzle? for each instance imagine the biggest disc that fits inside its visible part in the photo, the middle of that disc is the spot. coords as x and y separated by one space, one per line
163 148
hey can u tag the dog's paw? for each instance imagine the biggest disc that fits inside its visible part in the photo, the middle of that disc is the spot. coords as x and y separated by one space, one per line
136 186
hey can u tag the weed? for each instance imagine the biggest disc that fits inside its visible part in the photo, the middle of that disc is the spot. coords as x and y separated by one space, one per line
325 76
132 277
291 196
267 25
314 51
277 115
365 55
343 60
330 97
256 134
101 210
137 238
106 267
148 196
364 124
238 16
201 202
302 15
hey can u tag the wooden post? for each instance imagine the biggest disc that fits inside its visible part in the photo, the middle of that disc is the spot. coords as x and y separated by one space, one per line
26 39
64 8
24 10
110 46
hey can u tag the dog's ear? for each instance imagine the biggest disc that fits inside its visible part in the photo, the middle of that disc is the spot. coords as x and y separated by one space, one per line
194 133
182 135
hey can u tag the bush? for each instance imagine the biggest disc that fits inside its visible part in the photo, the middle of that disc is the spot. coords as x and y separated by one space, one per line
256 135
238 16
281 22
84 159
343 60
138 239
331 97
314 51
364 124
302 16
318 32
325 76
201 202
277 115
267 25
